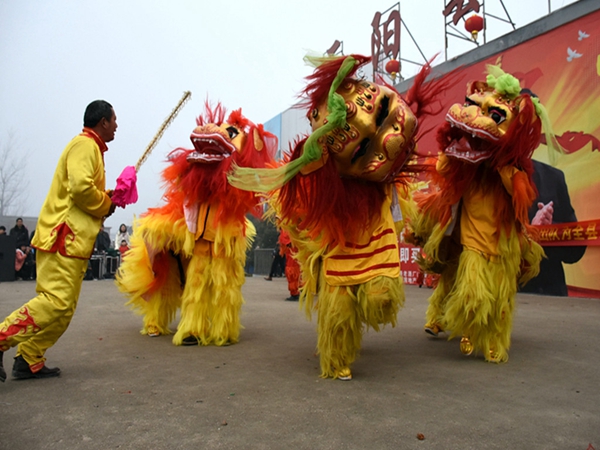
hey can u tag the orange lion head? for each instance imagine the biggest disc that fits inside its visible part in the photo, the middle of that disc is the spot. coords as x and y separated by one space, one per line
199 175
497 123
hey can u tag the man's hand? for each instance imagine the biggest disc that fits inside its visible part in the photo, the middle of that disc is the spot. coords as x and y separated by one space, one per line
544 214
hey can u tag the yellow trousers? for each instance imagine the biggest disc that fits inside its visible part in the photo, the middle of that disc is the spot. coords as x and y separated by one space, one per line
38 324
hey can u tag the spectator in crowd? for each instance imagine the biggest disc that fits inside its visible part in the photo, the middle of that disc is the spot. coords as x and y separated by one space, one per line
23 263
21 234
122 235
278 264
123 247
2 229
102 242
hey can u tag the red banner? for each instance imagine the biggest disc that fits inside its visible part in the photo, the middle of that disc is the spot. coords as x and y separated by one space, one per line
408 263
569 234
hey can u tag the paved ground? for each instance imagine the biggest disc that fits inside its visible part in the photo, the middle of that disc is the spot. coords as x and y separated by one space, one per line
119 389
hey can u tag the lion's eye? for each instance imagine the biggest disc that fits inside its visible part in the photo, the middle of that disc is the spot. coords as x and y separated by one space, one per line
384 111
497 115
233 132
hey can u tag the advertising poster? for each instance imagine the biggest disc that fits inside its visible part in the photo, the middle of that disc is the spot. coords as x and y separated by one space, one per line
561 67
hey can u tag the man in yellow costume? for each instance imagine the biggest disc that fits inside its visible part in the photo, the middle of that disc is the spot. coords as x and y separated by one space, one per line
69 221
474 225
340 198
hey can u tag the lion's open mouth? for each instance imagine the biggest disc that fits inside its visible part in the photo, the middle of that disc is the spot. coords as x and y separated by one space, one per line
209 148
468 144
463 149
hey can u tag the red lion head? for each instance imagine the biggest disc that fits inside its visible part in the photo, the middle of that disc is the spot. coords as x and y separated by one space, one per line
199 175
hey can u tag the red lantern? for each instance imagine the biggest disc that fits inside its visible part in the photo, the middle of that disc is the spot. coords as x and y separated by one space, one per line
474 25
393 68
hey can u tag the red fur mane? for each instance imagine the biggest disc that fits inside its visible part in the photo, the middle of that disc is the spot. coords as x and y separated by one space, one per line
319 82
334 208
190 183
514 149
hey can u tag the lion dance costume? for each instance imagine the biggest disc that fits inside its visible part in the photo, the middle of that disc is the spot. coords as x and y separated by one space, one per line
190 253
339 199
474 228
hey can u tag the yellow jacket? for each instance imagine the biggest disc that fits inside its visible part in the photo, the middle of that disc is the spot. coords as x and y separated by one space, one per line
375 254
76 202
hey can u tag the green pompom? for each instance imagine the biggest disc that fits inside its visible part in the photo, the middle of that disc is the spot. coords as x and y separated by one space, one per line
505 84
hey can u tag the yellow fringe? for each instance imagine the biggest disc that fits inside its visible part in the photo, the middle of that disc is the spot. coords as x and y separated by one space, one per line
532 254
428 234
481 301
135 275
214 273
344 311
309 256
437 301
212 298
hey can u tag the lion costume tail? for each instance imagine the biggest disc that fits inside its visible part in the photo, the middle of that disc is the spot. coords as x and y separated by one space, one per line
151 272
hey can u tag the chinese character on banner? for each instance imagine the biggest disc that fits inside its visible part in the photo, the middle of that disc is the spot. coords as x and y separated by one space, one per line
415 252
463 7
591 233
578 233
404 254
388 42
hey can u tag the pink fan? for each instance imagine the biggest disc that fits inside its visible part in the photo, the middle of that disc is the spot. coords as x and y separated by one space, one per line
126 191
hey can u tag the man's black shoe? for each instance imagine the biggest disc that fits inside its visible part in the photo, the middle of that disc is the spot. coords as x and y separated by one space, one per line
2 372
292 298
21 370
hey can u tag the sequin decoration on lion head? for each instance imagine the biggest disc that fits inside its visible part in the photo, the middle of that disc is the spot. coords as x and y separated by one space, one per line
377 138
362 142
365 128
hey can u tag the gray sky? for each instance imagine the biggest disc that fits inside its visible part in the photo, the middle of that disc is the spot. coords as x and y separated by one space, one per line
59 55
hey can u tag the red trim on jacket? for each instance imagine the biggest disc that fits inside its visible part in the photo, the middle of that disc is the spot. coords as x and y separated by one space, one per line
371 240
88 132
63 232
366 255
347 273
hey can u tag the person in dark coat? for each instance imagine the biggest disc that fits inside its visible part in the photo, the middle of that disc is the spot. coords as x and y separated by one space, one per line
21 234
553 205
102 241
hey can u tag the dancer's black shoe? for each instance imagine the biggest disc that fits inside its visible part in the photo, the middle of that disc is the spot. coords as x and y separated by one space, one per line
22 371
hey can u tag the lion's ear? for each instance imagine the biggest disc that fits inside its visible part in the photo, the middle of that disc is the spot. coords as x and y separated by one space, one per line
258 142
526 103
263 140
477 86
